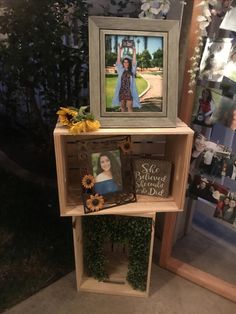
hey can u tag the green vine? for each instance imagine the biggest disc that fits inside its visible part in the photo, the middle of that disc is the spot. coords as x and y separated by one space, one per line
133 231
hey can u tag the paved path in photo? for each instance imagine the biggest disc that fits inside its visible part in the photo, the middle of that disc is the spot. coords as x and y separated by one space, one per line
155 82
151 100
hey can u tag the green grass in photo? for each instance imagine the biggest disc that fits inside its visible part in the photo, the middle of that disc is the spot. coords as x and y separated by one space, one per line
111 81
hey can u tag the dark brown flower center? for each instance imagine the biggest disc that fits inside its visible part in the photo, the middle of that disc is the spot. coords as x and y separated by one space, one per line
88 181
69 116
127 146
95 202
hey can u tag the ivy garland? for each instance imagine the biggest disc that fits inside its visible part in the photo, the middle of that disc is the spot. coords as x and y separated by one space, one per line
133 231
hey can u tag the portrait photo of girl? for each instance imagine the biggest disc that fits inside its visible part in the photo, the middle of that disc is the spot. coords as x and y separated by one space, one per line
107 172
126 94
134 73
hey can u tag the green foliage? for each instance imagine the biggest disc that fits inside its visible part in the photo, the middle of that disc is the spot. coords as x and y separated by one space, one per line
110 58
135 231
158 58
144 59
37 59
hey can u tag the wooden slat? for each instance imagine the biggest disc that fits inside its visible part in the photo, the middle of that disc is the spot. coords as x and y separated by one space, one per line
181 128
167 239
187 100
202 278
137 208
61 171
78 249
92 285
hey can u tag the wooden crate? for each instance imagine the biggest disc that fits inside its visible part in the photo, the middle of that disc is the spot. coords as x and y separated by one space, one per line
172 144
118 284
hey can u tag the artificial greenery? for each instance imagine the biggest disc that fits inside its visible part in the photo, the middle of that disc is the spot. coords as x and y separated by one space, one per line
135 232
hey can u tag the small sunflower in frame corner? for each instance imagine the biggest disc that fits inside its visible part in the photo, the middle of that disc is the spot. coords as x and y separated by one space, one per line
78 120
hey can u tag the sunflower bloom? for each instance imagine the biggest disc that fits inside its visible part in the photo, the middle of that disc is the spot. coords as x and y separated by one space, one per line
126 147
95 203
66 115
84 126
88 181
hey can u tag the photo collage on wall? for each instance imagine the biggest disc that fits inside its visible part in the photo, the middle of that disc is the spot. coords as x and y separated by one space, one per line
212 174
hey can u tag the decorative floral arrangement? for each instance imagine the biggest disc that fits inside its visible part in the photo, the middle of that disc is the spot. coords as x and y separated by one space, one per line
78 120
151 9
204 20
154 8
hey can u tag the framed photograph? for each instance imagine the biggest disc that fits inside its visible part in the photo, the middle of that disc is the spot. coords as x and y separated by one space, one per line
133 71
106 173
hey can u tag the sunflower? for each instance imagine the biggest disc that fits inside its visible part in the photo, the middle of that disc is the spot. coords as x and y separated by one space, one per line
84 126
88 181
66 115
126 147
95 202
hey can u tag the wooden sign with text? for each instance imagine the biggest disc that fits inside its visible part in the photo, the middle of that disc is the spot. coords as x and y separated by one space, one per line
152 177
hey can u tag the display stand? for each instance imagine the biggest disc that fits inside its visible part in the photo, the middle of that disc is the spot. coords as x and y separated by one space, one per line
172 144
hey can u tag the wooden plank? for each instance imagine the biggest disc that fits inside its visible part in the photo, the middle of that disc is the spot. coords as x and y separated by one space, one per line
202 278
78 249
187 101
137 208
151 254
90 284
61 171
167 238
180 129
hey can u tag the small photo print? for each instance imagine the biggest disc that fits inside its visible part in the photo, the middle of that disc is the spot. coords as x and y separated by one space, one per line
226 209
214 160
226 113
229 21
207 101
207 189
107 171
230 68
230 167
214 59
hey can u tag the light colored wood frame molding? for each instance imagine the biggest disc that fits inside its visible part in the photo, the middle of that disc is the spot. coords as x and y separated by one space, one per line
170 29
187 271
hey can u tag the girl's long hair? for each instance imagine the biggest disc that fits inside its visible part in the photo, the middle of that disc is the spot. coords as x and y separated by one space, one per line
130 65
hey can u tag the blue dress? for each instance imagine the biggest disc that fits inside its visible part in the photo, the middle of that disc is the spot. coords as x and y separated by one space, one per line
107 186
116 101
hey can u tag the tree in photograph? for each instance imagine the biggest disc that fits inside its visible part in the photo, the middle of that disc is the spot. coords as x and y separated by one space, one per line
110 58
144 59
158 58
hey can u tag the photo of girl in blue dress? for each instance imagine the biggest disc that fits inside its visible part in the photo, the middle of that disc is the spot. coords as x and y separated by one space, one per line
126 94
107 172
134 73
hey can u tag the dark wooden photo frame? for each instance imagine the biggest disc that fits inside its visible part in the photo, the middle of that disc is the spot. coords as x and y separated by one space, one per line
106 173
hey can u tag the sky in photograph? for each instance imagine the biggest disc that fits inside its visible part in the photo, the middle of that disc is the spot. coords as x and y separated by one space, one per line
153 43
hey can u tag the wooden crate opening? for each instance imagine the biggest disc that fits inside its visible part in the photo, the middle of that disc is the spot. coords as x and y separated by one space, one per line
173 145
116 262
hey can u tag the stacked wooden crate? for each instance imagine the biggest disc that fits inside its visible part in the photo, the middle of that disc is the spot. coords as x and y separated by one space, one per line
172 144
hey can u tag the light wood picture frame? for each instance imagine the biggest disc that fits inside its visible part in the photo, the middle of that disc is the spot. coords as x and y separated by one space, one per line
153 82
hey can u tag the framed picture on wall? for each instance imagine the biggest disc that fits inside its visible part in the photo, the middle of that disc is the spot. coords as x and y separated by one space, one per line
133 71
